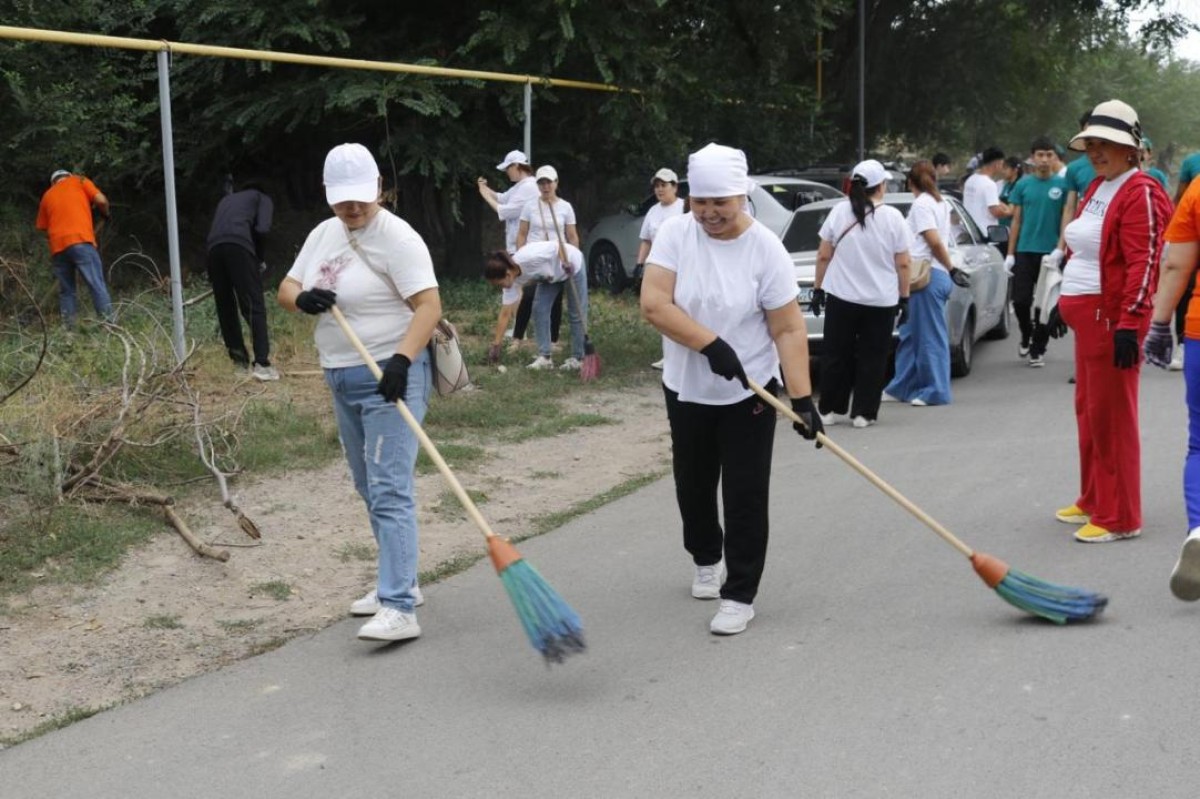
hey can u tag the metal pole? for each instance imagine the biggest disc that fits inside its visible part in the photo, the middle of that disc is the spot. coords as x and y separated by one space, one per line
168 149
529 121
862 78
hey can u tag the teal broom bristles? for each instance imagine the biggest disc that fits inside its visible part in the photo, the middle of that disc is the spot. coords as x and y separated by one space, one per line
1058 603
552 626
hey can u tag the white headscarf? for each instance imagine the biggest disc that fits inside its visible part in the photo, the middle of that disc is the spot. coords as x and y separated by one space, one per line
717 171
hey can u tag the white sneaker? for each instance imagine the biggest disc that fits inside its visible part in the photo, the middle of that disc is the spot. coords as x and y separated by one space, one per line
264 373
1185 577
919 403
888 398
862 421
571 364
1176 364
657 365
369 604
1037 361
830 419
706 583
390 624
541 362
731 618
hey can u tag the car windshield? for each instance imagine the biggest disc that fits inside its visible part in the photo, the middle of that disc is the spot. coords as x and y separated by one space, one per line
802 234
791 195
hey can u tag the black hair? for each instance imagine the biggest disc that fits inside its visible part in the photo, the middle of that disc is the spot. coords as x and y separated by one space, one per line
941 159
858 199
991 154
496 265
1041 143
1083 120
1012 162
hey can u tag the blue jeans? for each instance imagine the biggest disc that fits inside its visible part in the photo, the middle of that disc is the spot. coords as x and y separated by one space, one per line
923 355
1191 467
543 301
381 451
84 259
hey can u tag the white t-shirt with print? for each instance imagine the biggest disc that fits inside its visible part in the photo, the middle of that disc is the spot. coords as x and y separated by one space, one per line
863 268
725 286
980 193
541 224
368 300
511 203
926 213
540 263
1081 274
658 214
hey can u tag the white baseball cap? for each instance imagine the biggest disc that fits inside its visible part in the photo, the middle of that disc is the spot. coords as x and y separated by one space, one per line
546 173
513 157
871 171
351 174
666 176
58 173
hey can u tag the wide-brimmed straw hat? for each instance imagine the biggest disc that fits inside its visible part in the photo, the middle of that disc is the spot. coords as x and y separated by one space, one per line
1112 121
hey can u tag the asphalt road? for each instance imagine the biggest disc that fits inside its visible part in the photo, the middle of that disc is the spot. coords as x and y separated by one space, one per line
878 665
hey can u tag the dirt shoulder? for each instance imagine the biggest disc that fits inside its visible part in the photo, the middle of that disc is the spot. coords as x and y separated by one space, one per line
167 614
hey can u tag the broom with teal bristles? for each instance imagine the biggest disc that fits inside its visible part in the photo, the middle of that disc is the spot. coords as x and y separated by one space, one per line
1060 604
553 627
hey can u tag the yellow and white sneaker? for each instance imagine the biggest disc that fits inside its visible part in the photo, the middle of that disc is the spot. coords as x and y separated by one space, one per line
1072 514
1092 534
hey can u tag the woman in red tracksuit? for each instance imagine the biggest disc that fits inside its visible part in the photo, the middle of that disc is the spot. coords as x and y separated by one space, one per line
1114 245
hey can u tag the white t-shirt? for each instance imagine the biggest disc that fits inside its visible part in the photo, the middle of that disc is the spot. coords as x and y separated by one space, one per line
725 286
980 193
927 213
863 268
541 225
658 214
540 263
367 299
512 203
1081 275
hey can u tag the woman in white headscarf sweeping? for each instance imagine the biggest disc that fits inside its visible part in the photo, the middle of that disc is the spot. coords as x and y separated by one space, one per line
721 289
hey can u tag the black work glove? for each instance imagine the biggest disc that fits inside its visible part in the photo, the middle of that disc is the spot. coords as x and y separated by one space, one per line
394 382
1055 324
902 311
804 408
315 301
817 303
1159 344
493 354
724 361
960 278
1125 349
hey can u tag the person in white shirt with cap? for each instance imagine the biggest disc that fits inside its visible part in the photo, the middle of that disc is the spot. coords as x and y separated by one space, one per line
551 218
666 191
721 289
377 270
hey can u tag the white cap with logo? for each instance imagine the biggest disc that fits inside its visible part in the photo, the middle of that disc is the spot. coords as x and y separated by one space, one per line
666 176
546 173
513 157
351 175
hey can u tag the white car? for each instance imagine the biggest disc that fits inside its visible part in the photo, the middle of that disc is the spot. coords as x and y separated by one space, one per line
973 312
611 245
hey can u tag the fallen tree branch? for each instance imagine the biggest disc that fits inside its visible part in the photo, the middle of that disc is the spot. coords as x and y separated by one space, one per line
194 542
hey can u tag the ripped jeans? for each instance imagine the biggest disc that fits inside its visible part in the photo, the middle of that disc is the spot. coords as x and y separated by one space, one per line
381 451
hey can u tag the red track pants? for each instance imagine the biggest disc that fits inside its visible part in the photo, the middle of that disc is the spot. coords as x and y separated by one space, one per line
1106 408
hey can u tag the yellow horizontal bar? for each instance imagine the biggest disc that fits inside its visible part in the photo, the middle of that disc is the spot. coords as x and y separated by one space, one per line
120 42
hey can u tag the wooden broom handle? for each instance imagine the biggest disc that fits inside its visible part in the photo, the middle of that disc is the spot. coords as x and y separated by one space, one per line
930 522
562 253
426 441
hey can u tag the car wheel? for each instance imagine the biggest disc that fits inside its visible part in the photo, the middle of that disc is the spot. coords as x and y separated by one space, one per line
605 269
1004 326
962 353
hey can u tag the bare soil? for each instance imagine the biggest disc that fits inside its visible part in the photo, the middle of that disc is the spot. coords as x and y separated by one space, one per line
167 614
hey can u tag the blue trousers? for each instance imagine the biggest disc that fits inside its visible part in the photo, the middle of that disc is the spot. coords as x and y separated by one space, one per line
1191 467
381 451
543 303
82 259
923 356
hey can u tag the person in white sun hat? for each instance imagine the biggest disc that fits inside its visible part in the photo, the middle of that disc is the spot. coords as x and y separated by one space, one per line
721 289
377 270
1114 245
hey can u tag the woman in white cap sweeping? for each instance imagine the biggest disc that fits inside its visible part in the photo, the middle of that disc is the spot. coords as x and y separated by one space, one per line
1114 245
721 289
377 270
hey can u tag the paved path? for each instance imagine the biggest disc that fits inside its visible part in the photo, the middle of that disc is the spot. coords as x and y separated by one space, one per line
878 664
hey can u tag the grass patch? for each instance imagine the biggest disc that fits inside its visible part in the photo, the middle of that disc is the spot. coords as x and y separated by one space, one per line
556 426
164 622
356 551
448 506
275 589
458 456
238 626
64 719
544 475
552 521
263 647
448 568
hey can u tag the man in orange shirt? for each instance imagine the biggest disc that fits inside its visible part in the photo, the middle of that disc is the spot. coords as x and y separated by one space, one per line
65 214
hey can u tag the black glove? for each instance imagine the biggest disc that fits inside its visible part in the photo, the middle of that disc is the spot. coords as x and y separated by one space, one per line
394 382
1159 344
804 408
1125 349
817 303
315 301
493 354
724 361
960 278
902 314
1055 324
